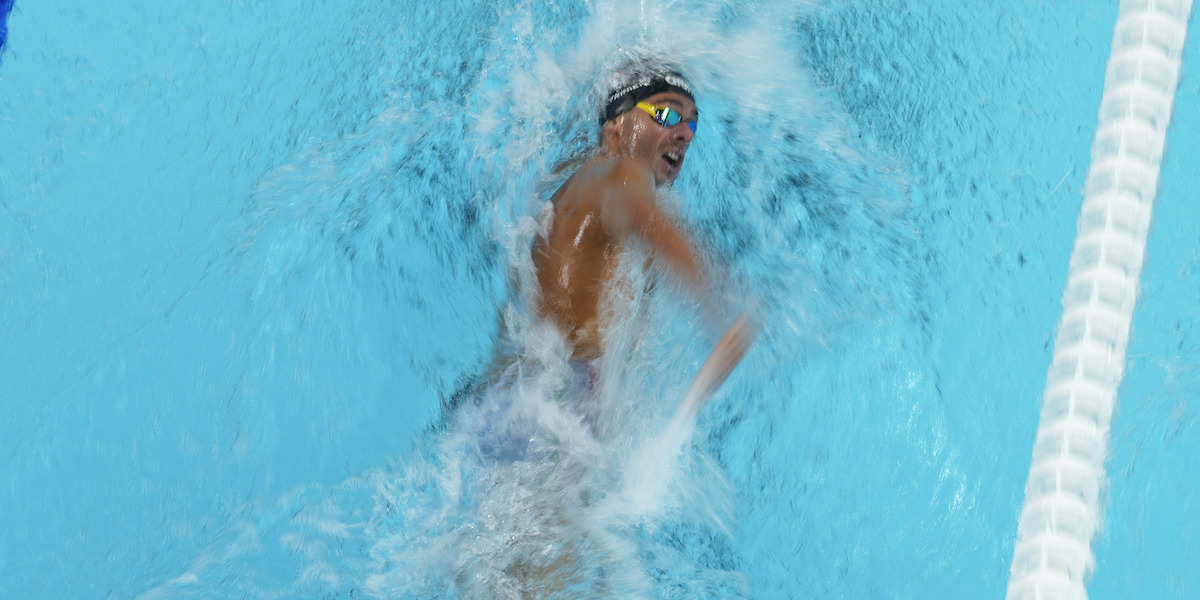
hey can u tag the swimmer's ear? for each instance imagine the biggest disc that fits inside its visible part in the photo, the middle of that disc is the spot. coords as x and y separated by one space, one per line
610 133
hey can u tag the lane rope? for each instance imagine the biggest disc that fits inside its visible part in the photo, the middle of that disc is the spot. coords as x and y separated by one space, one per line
1053 557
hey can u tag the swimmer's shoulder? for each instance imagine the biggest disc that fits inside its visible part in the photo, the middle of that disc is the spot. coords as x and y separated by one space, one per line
580 186
602 173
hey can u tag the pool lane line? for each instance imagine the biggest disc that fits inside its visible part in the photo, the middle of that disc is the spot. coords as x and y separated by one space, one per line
1053 557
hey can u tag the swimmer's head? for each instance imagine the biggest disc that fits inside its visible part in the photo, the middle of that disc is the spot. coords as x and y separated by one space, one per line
649 115
638 80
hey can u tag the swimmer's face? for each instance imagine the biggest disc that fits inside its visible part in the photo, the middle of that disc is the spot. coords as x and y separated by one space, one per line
660 148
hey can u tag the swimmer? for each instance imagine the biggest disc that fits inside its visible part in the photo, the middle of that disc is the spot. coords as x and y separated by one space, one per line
608 204
648 123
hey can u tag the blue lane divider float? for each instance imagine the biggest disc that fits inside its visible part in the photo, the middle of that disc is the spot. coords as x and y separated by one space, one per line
1053 556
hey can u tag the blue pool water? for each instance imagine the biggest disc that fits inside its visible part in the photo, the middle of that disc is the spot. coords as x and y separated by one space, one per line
248 249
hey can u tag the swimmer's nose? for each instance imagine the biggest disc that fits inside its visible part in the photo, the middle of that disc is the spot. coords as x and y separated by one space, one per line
682 133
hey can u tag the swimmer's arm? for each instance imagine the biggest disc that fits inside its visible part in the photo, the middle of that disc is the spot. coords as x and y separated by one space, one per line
720 363
629 208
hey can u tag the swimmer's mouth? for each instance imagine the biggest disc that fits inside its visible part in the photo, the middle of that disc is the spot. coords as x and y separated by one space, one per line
673 158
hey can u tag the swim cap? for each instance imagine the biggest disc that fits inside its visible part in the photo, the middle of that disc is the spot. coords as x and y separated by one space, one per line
636 82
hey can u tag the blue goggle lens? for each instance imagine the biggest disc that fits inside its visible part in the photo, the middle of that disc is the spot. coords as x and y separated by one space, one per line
666 116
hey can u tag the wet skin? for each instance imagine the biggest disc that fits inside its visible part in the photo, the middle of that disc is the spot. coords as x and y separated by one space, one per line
608 202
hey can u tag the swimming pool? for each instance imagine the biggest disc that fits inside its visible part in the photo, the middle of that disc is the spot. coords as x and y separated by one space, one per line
246 249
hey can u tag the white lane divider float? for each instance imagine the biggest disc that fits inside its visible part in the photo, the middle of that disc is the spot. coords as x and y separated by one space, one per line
1053 555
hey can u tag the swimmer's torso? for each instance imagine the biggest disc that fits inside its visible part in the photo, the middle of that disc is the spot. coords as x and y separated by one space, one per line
576 262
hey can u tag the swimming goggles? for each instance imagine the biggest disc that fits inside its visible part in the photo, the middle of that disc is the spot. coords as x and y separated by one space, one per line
666 116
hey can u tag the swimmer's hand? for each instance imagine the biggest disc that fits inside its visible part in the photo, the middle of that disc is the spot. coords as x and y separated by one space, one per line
720 363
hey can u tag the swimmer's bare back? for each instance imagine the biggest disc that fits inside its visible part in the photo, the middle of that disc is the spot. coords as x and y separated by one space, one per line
608 202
